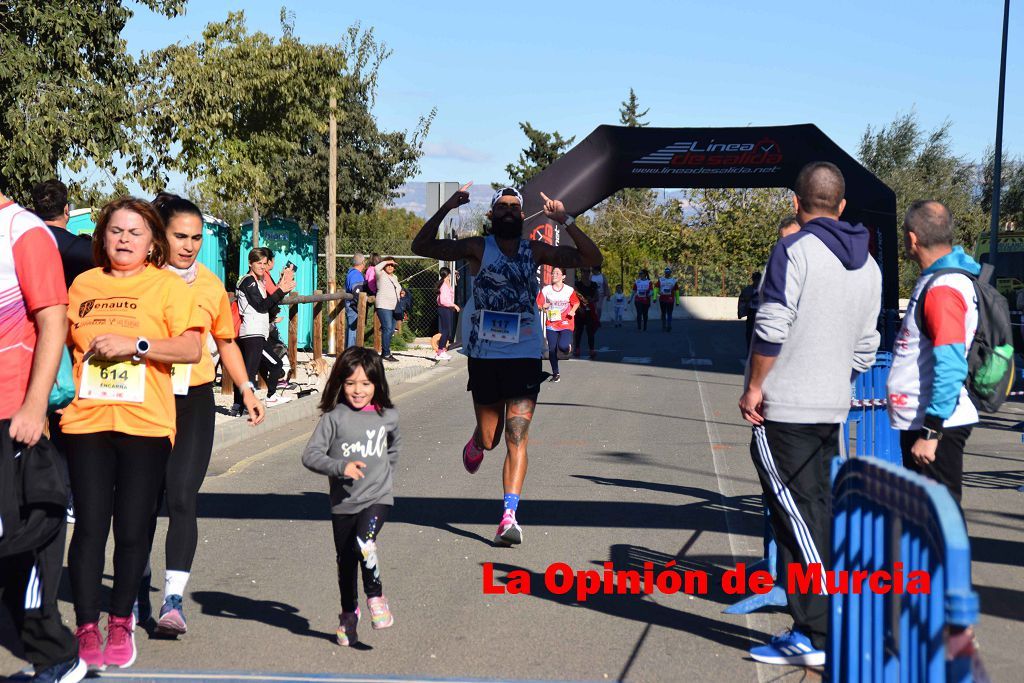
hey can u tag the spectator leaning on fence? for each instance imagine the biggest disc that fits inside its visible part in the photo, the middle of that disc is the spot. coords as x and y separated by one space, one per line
797 392
931 363
354 284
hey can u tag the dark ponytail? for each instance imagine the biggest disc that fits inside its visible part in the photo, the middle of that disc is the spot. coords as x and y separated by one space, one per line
170 205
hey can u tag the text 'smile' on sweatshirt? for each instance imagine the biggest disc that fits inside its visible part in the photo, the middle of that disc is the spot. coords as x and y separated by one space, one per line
818 316
345 435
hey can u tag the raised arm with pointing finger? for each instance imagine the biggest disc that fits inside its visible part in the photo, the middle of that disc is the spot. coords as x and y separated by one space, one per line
584 255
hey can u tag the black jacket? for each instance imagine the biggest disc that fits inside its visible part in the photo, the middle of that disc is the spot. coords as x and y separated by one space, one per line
33 495
75 253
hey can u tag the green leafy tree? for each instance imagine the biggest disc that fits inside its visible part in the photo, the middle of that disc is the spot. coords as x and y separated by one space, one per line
64 75
372 164
920 164
544 148
231 109
1011 201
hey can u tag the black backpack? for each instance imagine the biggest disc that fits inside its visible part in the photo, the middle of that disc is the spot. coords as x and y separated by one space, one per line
990 358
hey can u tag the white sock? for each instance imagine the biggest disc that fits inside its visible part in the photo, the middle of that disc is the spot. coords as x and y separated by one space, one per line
174 583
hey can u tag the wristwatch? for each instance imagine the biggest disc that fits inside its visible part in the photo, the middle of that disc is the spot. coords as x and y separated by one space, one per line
569 220
141 349
931 430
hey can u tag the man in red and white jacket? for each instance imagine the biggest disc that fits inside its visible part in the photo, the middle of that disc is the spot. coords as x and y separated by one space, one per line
928 401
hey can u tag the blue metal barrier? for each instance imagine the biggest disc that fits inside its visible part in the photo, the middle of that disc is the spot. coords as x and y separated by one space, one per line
883 514
869 411
874 436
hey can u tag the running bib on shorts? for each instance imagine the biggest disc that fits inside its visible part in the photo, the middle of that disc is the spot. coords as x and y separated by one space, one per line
181 375
499 327
554 315
113 381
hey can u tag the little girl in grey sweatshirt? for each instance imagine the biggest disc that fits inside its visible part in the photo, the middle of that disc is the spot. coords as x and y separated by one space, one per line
356 445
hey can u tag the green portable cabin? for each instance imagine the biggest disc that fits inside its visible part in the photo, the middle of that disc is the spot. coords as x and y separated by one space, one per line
289 242
80 222
211 254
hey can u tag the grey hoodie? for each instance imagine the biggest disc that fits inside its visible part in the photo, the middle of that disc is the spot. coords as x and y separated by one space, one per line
818 316
345 435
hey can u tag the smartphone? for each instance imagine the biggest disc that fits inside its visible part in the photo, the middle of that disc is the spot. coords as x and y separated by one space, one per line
294 267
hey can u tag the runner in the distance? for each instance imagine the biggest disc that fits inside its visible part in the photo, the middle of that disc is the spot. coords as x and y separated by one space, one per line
559 302
502 328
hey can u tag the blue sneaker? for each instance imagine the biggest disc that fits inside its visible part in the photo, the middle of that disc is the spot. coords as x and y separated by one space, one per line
71 671
172 618
789 647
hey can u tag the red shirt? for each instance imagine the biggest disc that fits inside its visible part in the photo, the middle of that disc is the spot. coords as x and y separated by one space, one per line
31 278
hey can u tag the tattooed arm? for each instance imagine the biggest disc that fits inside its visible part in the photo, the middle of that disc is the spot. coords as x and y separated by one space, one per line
427 244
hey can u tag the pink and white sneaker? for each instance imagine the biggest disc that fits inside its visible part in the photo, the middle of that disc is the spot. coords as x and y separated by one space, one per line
90 646
509 531
380 613
472 456
346 634
120 650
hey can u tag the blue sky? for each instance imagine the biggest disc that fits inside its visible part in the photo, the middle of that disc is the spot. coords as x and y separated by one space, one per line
567 66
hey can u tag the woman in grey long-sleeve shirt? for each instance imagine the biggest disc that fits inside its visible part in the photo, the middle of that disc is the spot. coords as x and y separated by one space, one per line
355 444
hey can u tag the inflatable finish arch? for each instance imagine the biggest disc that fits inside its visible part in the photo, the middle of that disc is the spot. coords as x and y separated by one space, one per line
614 157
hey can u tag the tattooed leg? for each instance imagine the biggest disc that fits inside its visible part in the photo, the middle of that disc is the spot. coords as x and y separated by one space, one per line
518 415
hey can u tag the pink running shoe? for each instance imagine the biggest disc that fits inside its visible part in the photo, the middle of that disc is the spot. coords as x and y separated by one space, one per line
90 646
346 633
380 613
472 456
120 650
509 531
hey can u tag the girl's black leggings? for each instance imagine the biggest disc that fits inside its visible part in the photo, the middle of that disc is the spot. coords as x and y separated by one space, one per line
186 469
355 540
113 476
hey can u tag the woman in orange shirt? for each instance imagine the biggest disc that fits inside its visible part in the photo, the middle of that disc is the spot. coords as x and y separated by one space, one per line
193 389
130 321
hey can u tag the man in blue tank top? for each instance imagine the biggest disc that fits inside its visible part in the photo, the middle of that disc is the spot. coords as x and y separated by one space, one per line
502 330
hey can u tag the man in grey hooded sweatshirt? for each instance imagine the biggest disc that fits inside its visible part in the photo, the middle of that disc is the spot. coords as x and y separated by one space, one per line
815 329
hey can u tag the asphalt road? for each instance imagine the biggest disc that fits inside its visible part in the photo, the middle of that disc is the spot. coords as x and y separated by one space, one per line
637 457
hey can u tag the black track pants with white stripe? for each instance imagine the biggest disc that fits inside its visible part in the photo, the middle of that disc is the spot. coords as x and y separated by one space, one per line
792 461
28 589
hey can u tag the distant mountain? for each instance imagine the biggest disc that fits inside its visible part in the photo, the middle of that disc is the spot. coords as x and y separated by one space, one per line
413 197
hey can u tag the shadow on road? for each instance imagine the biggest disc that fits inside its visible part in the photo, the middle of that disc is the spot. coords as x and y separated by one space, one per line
269 612
442 513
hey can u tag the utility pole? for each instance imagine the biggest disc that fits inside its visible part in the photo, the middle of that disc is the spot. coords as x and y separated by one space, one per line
255 227
997 162
332 220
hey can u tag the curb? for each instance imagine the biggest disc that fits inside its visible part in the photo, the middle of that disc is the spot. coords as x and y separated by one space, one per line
238 430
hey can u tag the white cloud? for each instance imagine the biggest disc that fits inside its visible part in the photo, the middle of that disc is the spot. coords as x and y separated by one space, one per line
452 150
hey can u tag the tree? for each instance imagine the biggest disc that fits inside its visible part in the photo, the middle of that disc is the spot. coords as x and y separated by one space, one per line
1011 201
630 114
231 109
64 74
919 164
543 150
372 164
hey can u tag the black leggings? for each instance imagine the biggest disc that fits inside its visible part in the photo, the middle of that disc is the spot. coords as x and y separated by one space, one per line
186 469
351 531
666 314
119 476
558 340
445 325
255 354
641 314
